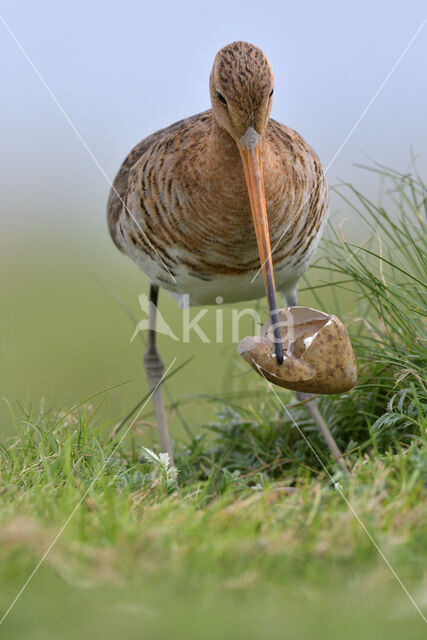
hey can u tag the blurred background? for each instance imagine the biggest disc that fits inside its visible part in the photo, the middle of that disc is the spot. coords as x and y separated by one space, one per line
121 71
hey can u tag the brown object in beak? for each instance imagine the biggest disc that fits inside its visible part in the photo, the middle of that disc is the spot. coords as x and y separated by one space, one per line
318 356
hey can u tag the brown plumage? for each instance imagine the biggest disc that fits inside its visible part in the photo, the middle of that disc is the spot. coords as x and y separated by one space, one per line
184 214
196 205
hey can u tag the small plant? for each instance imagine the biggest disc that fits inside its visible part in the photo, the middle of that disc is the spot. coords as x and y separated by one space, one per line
251 446
405 410
165 473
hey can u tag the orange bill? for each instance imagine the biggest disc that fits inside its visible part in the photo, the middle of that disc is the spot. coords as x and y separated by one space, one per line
251 157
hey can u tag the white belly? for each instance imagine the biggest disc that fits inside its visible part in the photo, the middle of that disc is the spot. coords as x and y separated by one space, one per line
204 290
226 288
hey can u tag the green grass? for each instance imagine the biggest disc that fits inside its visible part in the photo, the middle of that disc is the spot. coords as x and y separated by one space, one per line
250 537
243 555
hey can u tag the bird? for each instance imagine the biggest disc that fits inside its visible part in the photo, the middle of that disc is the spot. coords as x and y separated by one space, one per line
210 202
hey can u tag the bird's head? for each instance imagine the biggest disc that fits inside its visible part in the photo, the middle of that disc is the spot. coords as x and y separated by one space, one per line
241 88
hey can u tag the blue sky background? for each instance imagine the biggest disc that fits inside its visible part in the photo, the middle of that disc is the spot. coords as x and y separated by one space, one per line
123 70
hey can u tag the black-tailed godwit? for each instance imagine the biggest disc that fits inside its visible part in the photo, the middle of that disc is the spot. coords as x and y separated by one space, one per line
198 205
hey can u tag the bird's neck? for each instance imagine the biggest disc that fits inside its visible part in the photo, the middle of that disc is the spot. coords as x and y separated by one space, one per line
223 154
222 149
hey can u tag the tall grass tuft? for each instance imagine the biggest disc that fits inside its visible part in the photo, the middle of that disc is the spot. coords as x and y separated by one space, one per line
387 277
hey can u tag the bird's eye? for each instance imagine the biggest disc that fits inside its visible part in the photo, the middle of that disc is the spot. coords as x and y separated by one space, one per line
221 97
271 93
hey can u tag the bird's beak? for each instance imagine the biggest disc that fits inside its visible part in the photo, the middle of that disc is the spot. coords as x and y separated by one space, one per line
249 147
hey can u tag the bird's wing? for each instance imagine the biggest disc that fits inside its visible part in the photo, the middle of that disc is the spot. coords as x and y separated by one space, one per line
120 184
301 168
299 155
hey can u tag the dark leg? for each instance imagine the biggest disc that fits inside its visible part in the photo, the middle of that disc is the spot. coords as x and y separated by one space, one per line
154 369
312 408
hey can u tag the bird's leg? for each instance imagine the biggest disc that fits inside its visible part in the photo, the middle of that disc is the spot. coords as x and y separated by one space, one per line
154 368
311 405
